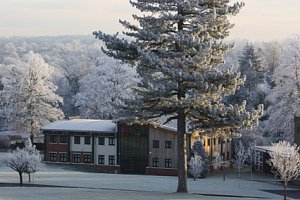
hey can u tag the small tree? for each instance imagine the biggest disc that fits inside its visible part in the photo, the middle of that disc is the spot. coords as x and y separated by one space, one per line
35 161
239 157
218 163
251 158
198 149
196 165
285 160
21 161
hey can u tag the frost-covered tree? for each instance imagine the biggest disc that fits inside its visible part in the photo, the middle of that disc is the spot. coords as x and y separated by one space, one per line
218 163
21 161
284 98
28 99
252 67
72 64
196 165
177 48
105 88
285 160
251 156
34 163
198 149
240 156
272 52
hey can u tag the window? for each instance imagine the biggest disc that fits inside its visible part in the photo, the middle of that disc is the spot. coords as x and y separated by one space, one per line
168 144
228 156
76 158
63 157
219 140
101 159
155 162
101 141
208 142
111 160
155 143
53 157
87 140
53 139
111 141
76 139
204 143
228 140
63 139
168 163
87 158
214 141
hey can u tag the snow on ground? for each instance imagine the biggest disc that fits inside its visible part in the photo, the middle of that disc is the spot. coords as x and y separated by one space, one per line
89 185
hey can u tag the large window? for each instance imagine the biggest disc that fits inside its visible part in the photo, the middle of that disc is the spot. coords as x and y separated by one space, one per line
76 158
63 157
87 140
111 141
53 139
168 144
63 139
101 141
155 143
155 162
76 139
87 158
168 163
111 160
208 142
214 141
53 157
101 159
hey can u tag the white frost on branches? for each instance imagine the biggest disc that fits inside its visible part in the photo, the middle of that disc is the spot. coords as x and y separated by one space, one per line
285 160
285 96
240 156
26 160
105 88
28 98
196 165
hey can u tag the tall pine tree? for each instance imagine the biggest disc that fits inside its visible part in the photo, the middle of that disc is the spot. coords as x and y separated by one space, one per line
177 47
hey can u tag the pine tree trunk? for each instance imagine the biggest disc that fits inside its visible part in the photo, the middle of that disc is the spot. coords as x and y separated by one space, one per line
21 179
181 157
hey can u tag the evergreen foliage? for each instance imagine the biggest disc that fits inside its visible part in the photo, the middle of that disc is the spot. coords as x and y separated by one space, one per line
177 48
198 149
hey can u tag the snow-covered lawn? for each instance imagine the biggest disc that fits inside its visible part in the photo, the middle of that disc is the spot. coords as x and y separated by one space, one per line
89 185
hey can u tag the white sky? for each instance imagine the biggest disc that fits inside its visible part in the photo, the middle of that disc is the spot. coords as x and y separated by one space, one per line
258 20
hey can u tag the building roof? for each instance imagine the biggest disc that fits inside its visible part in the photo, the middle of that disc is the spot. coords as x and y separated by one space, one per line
264 148
82 125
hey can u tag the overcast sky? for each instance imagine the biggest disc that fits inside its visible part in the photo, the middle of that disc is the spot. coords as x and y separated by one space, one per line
258 20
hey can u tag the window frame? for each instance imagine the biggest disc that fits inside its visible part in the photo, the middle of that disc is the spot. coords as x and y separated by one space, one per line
168 163
168 144
155 144
111 141
63 158
63 141
52 155
87 158
102 159
111 159
87 140
76 157
53 139
155 162
102 139
75 139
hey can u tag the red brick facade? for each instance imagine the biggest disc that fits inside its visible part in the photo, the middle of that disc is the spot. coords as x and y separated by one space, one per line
161 171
